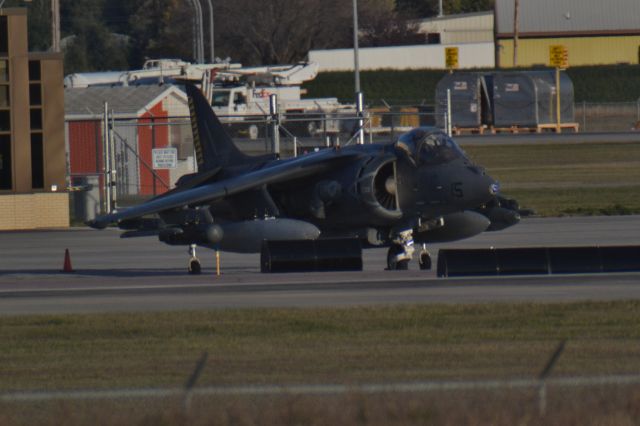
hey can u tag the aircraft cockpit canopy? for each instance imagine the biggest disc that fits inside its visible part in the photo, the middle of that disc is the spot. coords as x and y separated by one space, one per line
427 146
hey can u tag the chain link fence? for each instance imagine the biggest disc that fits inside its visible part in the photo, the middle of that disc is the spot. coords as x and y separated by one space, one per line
135 176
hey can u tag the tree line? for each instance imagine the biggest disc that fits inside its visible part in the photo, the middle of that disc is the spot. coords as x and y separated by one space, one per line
102 35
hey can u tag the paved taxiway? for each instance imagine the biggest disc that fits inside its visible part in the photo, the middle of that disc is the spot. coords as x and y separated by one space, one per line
114 274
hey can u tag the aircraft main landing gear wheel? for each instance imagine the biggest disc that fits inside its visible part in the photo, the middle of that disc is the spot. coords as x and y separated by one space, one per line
425 259
194 267
393 264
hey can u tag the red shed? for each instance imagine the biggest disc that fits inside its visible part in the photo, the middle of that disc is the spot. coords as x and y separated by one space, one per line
144 118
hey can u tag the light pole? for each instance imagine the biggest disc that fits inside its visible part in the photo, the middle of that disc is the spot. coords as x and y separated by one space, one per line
516 30
212 57
356 66
199 45
356 59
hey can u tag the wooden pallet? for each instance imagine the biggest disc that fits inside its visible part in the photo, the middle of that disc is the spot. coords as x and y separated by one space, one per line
468 130
571 126
537 129
512 129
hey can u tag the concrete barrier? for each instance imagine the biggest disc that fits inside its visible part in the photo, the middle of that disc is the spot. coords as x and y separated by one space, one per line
311 255
538 261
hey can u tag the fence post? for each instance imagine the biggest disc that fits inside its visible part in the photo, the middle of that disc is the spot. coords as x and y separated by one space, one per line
113 160
449 126
188 387
106 153
275 123
153 146
360 111
542 390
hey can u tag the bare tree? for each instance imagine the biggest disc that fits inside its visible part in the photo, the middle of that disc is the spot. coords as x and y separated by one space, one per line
161 29
280 31
382 25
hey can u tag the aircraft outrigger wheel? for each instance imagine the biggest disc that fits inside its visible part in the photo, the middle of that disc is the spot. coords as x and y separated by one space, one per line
425 259
194 267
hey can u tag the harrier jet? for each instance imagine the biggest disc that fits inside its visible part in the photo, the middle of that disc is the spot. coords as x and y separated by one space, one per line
420 189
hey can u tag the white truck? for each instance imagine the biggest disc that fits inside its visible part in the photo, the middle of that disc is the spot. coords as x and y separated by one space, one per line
154 71
240 96
248 104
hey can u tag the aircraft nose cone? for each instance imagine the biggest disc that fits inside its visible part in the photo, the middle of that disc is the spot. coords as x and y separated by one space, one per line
494 188
488 188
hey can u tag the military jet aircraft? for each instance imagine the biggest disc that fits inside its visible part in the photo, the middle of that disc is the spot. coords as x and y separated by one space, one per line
420 189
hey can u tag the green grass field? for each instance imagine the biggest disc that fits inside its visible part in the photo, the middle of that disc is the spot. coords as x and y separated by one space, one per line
295 346
571 179
402 343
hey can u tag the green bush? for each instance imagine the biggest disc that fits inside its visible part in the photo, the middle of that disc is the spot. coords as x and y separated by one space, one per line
612 83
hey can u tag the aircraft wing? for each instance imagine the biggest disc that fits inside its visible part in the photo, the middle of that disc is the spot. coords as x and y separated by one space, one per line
286 170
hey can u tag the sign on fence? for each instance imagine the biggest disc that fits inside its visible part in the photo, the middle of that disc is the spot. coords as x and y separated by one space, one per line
559 56
164 158
451 57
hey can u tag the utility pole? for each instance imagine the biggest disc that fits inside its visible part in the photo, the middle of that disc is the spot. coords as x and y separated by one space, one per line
516 29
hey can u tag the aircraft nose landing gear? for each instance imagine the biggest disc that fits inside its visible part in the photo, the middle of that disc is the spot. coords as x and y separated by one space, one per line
401 251
194 267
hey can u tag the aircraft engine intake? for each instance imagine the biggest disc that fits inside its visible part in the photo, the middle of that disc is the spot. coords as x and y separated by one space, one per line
377 187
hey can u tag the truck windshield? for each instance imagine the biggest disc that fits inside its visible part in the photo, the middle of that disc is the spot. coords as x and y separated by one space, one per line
220 98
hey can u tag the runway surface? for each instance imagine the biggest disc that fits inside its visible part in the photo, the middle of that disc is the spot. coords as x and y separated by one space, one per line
114 274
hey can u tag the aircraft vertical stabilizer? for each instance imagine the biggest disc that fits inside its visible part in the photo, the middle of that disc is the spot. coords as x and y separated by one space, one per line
213 146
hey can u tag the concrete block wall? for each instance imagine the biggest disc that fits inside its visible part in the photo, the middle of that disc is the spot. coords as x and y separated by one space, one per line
32 211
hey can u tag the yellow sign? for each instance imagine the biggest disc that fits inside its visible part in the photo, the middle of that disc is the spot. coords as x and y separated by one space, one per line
451 57
559 56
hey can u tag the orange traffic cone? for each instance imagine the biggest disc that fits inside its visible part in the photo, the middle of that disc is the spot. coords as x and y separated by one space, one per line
67 262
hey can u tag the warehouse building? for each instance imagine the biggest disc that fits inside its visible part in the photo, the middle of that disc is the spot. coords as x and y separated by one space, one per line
595 32
471 33
461 28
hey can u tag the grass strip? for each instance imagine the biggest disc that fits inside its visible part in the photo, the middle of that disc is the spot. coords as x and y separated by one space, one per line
559 180
347 345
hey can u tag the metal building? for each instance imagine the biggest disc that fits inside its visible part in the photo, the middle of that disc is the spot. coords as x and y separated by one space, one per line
596 32
462 28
